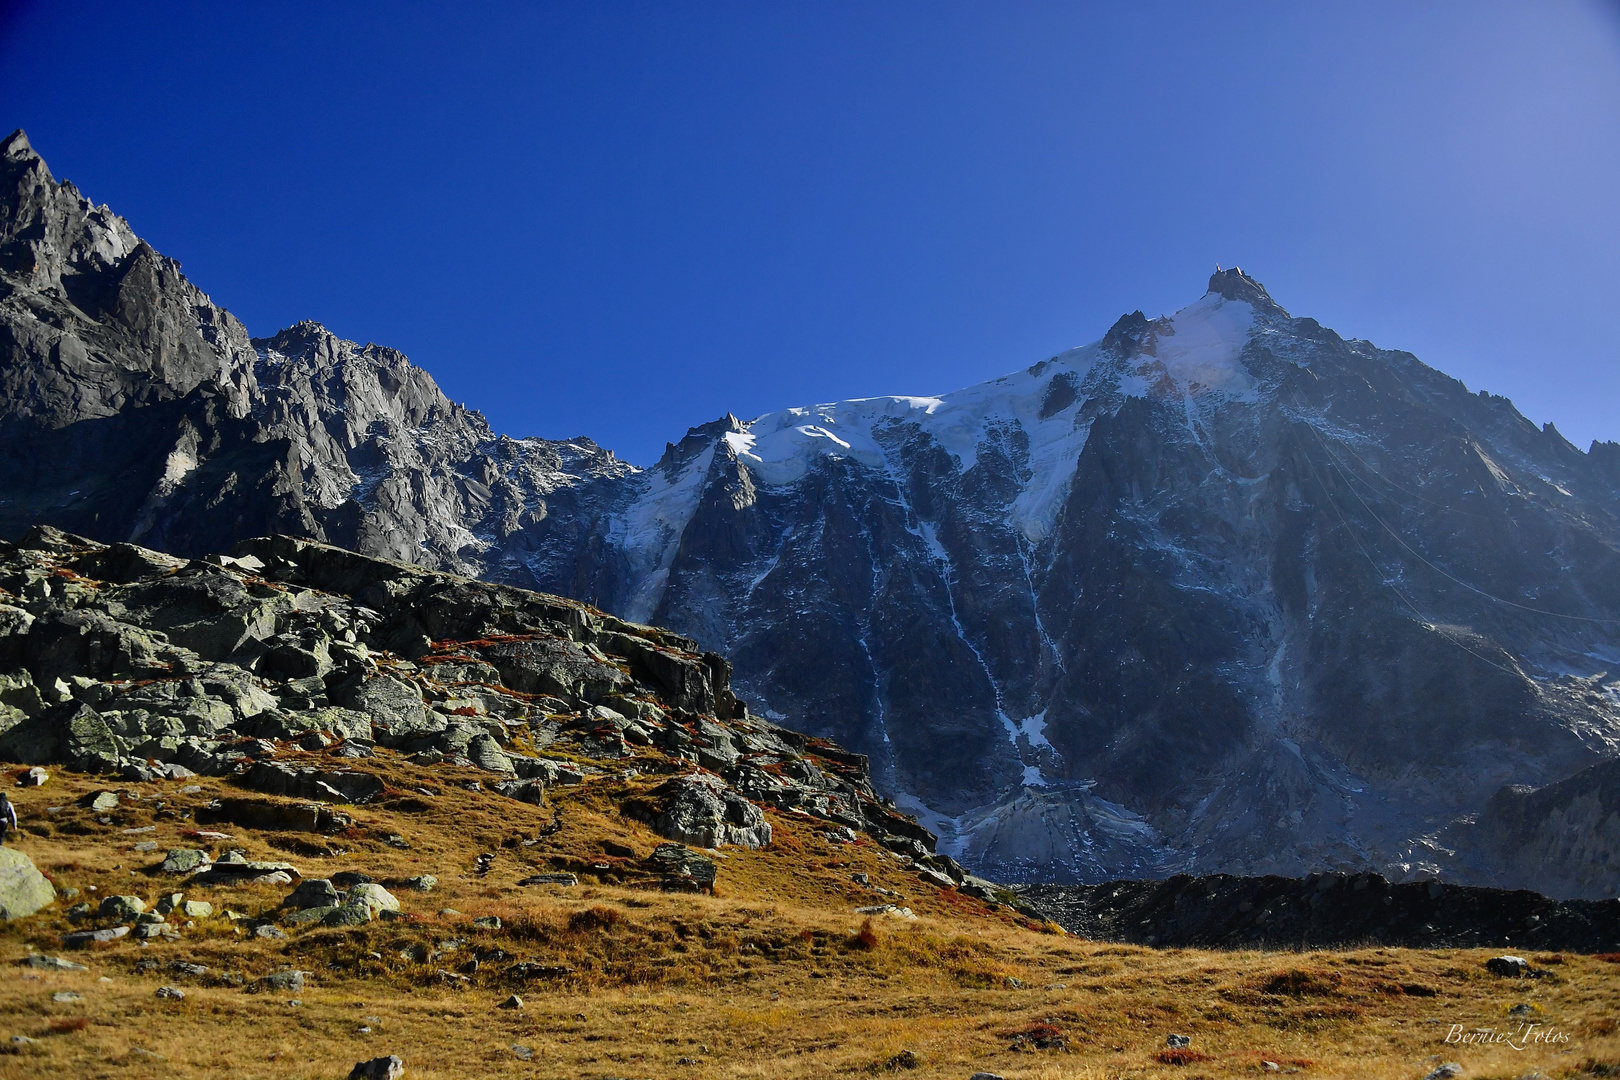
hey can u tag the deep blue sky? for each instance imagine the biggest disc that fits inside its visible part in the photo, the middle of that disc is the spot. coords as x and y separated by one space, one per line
624 219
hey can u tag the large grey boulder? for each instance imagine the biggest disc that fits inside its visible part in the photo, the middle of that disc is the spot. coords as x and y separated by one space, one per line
699 809
395 707
23 889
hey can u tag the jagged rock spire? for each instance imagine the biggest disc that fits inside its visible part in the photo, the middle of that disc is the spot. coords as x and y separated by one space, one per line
17 147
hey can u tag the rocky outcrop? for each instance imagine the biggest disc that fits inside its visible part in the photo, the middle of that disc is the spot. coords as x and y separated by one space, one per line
698 809
1323 911
1221 591
536 690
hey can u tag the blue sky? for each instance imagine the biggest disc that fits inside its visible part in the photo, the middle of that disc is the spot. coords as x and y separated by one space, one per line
621 219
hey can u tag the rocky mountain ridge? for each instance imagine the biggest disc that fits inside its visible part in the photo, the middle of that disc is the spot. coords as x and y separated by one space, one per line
1325 911
1221 591
285 666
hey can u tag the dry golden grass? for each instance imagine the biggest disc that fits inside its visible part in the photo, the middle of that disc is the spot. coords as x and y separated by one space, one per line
773 977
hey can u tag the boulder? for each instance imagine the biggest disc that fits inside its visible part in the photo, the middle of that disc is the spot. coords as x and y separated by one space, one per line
364 903
1508 966
550 879
121 908
50 963
682 867
394 706
184 860
312 893
529 791
289 981
23 889
699 809
84 938
487 754
383 1068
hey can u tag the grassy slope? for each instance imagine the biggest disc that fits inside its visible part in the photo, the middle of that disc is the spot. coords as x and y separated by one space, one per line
771 977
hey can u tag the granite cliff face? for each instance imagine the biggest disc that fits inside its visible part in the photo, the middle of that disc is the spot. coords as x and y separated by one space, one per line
1219 592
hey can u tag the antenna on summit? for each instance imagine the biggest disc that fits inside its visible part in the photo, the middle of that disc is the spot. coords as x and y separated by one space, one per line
1217 268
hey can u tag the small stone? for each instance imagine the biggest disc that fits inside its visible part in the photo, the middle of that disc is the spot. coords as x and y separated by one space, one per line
100 801
1177 1042
905 1059
168 903
512 1002
62 997
420 883
985 1076
34 777
22 1040
265 930
1012 983
1271 1066
449 913
1445 1072
383 1068
196 909
171 993
146 1055
522 1052
488 922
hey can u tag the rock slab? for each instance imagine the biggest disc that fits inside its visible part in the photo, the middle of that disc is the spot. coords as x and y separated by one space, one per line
23 889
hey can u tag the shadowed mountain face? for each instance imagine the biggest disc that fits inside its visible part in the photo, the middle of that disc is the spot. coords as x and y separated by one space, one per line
1220 592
